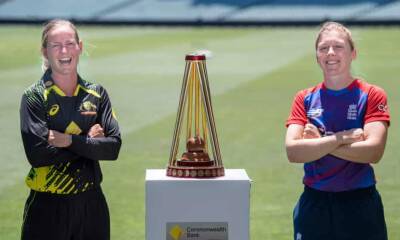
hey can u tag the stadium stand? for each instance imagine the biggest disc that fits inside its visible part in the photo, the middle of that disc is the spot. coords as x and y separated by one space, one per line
45 9
218 11
387 12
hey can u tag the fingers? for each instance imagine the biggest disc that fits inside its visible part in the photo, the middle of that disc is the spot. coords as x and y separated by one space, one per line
96 131
310 126
58 139
358 132
50 138
351 136
311 131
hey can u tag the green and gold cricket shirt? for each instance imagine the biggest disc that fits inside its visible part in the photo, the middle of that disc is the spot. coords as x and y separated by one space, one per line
76 168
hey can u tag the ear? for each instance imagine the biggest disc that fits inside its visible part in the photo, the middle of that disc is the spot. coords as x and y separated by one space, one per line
80 44
354 54
44 52
316 59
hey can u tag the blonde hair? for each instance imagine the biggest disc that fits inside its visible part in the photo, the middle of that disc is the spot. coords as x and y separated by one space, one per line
45 34
335 26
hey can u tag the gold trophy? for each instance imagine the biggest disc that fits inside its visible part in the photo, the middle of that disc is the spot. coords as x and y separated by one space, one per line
196 114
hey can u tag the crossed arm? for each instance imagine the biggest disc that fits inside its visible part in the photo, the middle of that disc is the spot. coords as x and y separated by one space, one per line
62 140
305 144
45 147
95 145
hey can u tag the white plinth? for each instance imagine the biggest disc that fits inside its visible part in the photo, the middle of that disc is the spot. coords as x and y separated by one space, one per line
224 199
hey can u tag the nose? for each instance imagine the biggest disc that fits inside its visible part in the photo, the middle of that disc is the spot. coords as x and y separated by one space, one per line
63 48
331 51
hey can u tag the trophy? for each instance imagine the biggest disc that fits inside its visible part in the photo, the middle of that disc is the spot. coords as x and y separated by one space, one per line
201 157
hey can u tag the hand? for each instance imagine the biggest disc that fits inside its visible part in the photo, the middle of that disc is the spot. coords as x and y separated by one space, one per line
350 136
96 131
58 139
311 131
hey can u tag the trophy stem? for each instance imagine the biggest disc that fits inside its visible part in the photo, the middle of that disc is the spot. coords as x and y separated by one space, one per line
190 104
197 104
182 100
205 127
210 115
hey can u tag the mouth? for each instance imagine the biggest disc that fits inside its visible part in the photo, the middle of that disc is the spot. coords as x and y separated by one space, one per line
330 63
65 61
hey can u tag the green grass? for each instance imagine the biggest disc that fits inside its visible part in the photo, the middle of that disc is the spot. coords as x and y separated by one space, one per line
254 75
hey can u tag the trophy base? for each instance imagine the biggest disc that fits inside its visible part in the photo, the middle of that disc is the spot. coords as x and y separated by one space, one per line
195 172
190 163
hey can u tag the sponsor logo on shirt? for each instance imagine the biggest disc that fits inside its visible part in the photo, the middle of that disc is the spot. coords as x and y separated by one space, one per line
88 108
298 236
315 112
352 112
382 107
54 109
48 83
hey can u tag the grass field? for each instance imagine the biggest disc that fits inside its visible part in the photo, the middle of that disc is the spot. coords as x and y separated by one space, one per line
254 74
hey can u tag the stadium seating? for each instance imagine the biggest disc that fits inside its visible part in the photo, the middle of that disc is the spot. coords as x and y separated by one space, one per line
201 10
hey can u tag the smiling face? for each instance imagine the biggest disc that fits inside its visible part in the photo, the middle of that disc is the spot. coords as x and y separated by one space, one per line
335 54
62 50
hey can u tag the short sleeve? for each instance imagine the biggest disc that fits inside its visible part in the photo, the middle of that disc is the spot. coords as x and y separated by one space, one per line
298 113
377 108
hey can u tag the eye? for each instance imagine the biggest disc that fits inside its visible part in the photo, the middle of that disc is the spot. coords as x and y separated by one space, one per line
323 48
70 44
55 45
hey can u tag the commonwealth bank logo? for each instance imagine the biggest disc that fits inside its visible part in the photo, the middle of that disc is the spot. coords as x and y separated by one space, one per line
176 232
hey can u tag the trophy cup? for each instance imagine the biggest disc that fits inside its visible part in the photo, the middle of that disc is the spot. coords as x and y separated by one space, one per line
196 114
